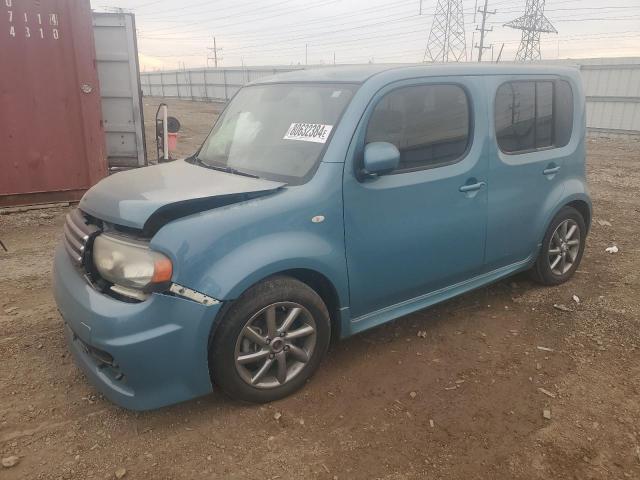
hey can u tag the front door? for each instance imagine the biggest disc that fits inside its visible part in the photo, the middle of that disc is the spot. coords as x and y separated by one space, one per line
422 227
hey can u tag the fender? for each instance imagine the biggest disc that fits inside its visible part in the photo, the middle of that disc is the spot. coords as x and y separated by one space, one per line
223 251
271 254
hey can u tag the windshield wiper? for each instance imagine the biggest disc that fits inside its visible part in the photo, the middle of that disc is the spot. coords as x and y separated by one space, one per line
226 169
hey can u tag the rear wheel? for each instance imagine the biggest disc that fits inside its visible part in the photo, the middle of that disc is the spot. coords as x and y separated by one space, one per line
562 248
270 341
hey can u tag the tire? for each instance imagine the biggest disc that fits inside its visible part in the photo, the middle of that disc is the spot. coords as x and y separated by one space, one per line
554 248
265 308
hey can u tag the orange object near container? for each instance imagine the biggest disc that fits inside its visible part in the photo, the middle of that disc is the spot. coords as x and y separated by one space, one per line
172 141
51 137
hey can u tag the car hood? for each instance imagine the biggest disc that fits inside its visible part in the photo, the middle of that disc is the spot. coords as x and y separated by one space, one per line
147 198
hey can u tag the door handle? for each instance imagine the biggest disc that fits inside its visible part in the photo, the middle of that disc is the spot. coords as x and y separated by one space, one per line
472 188
550 170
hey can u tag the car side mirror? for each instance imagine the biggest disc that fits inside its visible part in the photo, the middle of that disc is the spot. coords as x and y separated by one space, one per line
381 158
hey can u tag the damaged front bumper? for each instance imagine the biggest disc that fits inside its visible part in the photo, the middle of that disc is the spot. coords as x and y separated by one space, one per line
140 355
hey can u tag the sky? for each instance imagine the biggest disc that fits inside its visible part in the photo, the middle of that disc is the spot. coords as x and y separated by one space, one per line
176 34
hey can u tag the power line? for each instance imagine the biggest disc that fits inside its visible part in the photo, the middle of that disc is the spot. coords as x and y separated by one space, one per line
390 38
184 9
304 37
237 15
324 32
245 33
316 40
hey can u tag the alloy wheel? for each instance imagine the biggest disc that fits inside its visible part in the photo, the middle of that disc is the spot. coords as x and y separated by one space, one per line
564 247
275 345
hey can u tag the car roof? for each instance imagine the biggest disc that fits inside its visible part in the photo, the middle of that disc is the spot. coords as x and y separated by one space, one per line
361 73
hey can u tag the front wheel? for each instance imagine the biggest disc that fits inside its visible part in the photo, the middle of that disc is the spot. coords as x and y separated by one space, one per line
562 248
270 341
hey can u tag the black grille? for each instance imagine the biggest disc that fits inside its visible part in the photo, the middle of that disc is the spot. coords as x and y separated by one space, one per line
77 234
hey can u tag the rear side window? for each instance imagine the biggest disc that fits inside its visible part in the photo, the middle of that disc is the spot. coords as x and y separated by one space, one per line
428 123
532 115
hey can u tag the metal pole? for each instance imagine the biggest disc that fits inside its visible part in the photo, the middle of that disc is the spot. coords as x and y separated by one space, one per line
165 134
500 53
206 90
306 45
484 19
224 79
215 53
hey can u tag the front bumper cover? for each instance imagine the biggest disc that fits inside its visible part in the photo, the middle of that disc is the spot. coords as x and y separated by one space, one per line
140 355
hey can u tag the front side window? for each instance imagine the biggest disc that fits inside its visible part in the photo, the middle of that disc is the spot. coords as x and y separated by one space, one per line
429 124
276 131
532 115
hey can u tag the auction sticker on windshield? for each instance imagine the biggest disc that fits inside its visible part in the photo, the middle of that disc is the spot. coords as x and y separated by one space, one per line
308 132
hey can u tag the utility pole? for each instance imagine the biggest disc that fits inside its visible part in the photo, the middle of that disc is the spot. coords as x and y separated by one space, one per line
446 40
532 24
213 54
481 48
500 53
306 50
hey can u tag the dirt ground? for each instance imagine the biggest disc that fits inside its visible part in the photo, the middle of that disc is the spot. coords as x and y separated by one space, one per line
464 402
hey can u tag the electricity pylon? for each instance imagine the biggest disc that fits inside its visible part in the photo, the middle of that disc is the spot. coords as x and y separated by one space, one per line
532 24
446 41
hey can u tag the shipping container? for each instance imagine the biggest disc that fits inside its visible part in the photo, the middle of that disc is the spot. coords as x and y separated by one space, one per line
52 140
119 74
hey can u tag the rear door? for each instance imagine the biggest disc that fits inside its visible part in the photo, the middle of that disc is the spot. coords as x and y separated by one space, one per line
532 123
421 227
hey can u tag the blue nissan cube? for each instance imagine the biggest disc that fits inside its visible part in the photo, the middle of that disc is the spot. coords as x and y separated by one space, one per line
323 203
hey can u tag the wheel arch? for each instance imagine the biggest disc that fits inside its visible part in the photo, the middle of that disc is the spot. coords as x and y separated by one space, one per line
579 200
584 209
327 292
315 280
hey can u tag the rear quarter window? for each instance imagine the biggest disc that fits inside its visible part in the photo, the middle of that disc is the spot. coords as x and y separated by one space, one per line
533 115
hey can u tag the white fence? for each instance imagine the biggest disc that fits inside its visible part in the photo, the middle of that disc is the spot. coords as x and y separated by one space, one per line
204 84
612 88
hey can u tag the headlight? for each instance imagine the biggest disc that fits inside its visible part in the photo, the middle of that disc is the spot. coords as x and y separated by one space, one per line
129 263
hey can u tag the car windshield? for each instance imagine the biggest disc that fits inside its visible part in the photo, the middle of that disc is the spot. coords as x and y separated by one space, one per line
276 131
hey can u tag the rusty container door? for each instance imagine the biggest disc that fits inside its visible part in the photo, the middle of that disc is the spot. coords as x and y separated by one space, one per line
51 137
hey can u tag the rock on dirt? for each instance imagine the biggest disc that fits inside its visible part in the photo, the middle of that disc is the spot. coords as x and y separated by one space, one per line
11 461
120 472
561 307
547 392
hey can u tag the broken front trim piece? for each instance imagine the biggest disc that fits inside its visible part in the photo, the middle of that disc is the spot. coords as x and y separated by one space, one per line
189 294
176 289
